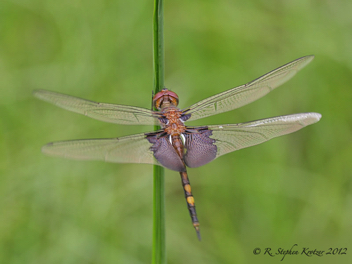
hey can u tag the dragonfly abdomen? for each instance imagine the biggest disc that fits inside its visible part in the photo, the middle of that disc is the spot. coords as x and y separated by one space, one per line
190 201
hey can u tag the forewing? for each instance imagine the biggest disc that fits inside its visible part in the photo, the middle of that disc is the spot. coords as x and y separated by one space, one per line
129 149
118 114
233 137
244 94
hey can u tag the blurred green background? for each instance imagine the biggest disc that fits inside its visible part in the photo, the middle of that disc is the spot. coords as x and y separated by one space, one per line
296 189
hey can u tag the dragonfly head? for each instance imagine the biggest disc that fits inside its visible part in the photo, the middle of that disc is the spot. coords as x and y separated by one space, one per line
165 98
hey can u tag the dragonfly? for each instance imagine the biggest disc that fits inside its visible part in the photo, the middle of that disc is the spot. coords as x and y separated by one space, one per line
177 146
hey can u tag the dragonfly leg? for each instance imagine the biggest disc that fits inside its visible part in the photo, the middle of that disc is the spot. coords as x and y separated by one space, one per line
190 201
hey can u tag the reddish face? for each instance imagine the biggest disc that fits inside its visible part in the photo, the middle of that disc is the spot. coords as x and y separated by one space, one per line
165 96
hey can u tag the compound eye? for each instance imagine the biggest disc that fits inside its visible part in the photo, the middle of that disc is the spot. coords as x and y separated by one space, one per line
157 103
173 97
173 100
157 99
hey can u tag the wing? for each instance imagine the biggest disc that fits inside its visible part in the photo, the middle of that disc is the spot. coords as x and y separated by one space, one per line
244 94
118 114
165 153
200 148
129 149
233 137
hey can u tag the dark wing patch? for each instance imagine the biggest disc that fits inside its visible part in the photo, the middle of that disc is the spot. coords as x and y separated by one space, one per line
165 153
200 149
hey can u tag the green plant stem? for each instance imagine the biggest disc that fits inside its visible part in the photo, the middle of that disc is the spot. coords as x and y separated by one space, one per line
158 46
159 252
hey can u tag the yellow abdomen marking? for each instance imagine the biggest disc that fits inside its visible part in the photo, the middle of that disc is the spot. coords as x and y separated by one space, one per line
190 200
187 188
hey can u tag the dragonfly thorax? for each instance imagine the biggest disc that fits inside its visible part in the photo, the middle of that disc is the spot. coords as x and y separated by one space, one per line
175 125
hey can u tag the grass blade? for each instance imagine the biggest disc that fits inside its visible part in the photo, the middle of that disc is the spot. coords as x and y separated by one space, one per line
159 251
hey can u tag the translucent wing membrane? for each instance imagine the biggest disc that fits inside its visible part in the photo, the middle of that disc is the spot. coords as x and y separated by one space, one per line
118 114
129 149
233 137
244 94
